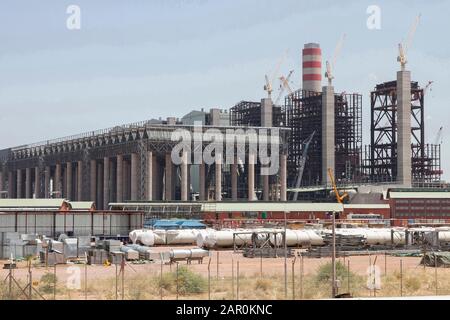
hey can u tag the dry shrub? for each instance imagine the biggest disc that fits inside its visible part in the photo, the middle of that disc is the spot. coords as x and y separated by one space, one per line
263 284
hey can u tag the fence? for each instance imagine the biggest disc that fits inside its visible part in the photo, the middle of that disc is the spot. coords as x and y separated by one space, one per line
227 275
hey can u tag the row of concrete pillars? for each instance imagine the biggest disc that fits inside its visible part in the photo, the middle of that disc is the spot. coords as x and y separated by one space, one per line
116 179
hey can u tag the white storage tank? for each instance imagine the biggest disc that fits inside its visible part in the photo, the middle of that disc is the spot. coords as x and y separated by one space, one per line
185 236
160 236
146 237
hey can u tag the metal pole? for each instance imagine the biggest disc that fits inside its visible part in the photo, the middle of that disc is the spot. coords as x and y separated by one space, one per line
301 277
401 278
116 281
123 276
30 276
261 264
232 277
385 263
54 281
161 277
209 279
435 273
217 265
285 256
177 281
348 275
293 278
85 279
237 281
333 257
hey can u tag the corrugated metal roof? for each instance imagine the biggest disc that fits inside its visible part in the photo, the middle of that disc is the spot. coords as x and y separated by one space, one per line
243 206
419 195
31 203
271 206
366 206
81 205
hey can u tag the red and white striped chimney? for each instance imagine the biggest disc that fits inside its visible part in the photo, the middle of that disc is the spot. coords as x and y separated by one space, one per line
312 67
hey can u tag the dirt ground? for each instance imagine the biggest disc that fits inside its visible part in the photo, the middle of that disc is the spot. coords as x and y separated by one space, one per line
221 265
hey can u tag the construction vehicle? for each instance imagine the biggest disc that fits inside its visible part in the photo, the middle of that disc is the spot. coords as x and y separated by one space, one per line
330 64
403 47
306 144
340 198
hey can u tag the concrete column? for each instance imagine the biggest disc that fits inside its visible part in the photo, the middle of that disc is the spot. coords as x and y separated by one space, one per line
251 177
266 187
80 180
1 182
149 178
169 177
119 178
234 180
126 180
404 152
68 194
283 177
93 181
134 176
37 183
328 133
99 190
10 185
106 185
47 174
57 183
202 181
19 184
266 113
184 177
157 180
218 172
28 183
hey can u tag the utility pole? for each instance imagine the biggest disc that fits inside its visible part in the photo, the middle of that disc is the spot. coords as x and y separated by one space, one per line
285 256
333 257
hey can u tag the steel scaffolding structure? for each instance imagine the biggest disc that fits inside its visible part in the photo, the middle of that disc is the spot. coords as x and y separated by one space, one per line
248 113
304 116
380 163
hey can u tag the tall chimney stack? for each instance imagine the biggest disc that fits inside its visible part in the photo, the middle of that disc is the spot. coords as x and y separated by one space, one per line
312 67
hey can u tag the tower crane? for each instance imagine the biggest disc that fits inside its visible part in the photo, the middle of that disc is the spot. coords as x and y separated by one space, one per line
284 85
269 82
330 65
306 144
339 198
428 86
438 139
403 47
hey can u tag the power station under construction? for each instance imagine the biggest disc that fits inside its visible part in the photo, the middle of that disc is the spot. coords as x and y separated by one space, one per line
112 181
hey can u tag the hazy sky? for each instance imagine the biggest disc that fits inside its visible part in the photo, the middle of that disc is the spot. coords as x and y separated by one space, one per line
136 60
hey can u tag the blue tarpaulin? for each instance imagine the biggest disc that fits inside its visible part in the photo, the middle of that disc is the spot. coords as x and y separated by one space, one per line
175 224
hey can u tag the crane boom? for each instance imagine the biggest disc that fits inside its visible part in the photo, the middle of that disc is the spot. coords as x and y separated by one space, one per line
330 64
339 198
302 164
284 85
403 47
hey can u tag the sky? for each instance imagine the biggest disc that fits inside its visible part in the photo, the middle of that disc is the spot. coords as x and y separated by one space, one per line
136 60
